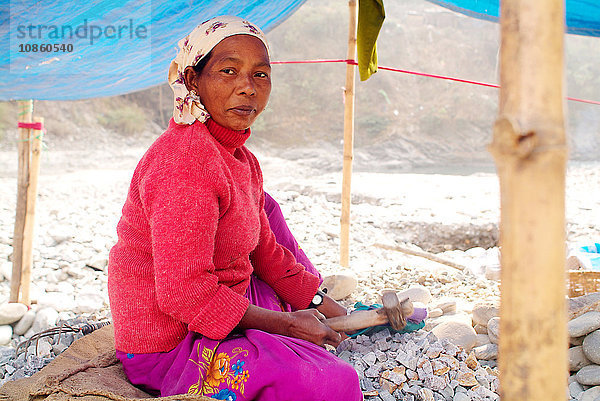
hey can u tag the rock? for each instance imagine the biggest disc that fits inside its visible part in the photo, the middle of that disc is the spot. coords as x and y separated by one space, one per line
88 303
416 293
447 306
576 340
459 333
584 324
98 264
493 327
339 286
44 319
480 329
57 301
482 339
579 304
589 375
577 358
482 313
459 396
25 323
591 347
11 312
590 394
6 333
466 379
486 352
575 389
492 272
43 348
425 394
435 312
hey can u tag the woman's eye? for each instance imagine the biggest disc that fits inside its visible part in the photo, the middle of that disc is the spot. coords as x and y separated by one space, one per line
261 75
228 71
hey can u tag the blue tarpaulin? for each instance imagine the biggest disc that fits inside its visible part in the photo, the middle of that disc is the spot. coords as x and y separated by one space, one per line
582 16
71 49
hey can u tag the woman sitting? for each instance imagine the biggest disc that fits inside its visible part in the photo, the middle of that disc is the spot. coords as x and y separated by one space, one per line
203 298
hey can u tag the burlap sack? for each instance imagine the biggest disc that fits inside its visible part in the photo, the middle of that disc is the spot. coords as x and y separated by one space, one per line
87 371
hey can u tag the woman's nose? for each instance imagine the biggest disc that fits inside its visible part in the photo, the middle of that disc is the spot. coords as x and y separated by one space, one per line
246 85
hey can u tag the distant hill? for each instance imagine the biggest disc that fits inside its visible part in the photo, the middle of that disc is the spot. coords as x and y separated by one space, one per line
401 120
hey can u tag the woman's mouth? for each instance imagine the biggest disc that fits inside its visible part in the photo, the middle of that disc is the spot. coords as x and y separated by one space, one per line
243 110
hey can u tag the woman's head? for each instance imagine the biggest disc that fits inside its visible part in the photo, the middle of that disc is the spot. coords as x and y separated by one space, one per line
222 71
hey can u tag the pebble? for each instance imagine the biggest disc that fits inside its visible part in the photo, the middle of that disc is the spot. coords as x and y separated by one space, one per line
589 375
486 352
584 324
591 394
11 312
482 313
591 347
575 389
577 358
482 339
459 333
493 328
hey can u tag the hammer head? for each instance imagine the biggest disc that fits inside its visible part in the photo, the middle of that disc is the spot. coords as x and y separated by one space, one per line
397 310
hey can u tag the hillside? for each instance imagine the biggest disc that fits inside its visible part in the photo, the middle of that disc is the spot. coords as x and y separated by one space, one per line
402 121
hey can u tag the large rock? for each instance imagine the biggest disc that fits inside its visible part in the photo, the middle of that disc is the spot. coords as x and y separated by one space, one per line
589 375
11 312
482 313
584 324
6 333
44 319
591 346
459 333
577 359
25 323
416 293
339 286
482 339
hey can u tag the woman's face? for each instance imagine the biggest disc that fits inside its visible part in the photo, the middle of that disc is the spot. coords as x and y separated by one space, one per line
235 84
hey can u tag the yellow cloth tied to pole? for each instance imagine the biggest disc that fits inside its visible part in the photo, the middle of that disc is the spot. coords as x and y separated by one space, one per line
370 18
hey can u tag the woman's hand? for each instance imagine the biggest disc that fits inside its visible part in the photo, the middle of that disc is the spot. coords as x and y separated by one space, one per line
330 308
306 324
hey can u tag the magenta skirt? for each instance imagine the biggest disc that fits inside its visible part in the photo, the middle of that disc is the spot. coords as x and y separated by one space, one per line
254 365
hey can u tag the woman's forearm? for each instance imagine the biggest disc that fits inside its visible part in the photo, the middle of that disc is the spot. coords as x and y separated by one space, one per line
330 308
304 324
265 320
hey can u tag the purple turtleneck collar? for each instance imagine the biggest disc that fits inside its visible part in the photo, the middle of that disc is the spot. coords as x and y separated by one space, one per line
230 139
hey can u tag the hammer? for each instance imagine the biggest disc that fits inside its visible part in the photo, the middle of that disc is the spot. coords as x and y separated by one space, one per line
393 312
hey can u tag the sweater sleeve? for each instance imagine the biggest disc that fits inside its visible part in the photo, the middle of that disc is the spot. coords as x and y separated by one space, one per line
181 200
276 265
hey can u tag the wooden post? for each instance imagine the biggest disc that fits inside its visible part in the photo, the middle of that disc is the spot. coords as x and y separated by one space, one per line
25 112
348 137
529 147
34 171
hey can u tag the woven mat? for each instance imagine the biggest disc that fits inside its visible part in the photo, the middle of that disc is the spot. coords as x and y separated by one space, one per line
88 371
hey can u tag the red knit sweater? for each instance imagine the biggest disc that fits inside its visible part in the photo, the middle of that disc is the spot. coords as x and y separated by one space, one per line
192 232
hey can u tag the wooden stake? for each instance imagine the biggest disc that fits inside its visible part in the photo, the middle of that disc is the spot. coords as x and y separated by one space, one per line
25 112
529 147
348 137
34 170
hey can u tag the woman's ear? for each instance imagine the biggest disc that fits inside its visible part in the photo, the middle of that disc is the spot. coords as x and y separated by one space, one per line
189 75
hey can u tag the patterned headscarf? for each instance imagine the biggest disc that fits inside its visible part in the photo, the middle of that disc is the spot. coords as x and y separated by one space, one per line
195 46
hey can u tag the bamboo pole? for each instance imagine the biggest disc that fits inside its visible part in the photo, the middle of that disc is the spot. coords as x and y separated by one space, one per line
25 112
34 171
348 137
529 147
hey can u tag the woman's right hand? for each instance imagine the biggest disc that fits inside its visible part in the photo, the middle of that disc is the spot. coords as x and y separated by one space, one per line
307 325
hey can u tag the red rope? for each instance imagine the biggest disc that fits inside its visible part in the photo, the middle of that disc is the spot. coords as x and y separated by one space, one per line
422 74
36 126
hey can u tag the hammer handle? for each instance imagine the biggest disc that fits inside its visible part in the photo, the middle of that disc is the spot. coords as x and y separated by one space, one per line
357 320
